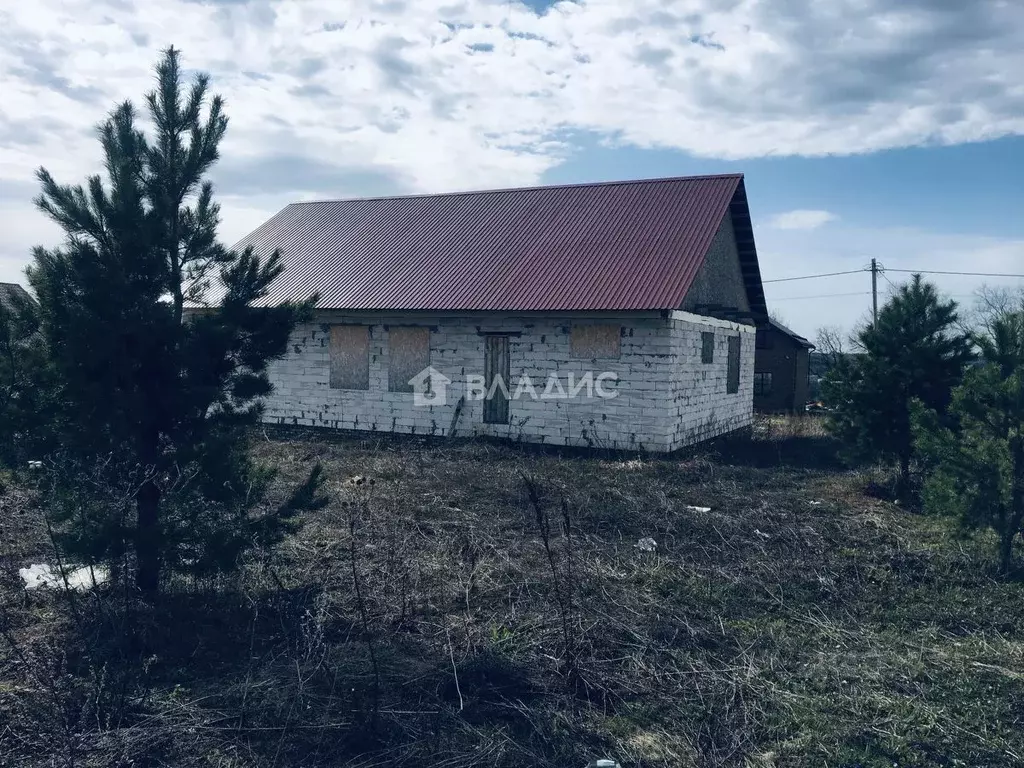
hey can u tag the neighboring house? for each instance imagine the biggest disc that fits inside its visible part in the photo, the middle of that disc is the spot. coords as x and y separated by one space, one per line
13 296
19 329
618 314
780 369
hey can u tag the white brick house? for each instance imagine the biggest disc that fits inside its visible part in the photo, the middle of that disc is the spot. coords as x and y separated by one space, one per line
616 315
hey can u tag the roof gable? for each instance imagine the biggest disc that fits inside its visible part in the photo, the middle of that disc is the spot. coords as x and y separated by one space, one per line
633 245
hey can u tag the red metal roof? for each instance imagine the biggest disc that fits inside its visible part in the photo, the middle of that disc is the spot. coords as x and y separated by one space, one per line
632 245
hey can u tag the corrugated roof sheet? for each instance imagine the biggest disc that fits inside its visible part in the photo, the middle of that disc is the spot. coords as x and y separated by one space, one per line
633 245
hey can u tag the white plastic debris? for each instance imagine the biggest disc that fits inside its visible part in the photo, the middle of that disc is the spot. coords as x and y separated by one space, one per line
40 575
646 544
761 534
604 763
35 465
698 509
814 503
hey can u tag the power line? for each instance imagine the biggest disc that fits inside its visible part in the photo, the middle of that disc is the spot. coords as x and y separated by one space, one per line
967 274
810 277
885 269
823 296
882 270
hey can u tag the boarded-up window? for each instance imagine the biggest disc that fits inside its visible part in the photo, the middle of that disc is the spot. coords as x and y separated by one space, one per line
732 379
762 340
408 355
590 341
350 357
707 347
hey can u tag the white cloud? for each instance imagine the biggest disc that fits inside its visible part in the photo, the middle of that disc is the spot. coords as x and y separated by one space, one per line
801 219
334 99
452 95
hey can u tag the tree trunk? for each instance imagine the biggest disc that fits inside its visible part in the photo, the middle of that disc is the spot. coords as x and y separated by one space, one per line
1006 538
903 481
147 543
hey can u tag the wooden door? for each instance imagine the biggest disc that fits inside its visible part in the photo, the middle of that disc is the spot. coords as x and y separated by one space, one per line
496 364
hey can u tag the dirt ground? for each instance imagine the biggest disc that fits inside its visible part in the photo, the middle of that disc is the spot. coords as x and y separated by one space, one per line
749 603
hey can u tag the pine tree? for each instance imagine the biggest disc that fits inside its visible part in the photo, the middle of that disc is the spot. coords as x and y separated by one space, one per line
23 393
914 350
977 465
157 402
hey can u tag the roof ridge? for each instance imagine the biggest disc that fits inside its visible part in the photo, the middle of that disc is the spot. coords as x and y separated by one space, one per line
610 183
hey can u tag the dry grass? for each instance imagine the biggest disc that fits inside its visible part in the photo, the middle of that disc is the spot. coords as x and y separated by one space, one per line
435 614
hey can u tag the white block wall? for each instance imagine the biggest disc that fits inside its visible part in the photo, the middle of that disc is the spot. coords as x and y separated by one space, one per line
699 406
666 398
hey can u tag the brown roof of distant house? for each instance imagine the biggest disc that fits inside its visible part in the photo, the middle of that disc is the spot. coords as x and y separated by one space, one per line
631 245
792 334
11 292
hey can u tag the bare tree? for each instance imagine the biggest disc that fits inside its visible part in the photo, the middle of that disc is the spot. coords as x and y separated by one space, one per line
992 302
829 342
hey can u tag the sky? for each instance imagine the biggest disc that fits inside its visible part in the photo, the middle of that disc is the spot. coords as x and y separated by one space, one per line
886 129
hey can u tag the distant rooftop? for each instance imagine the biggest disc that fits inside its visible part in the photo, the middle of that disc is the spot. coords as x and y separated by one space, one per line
11 292
792 334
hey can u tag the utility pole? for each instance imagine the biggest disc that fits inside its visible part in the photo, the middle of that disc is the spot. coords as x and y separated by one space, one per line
874 291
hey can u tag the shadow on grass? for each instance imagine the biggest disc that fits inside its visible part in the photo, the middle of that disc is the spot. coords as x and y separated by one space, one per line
742 448
798 451
276 676
197 673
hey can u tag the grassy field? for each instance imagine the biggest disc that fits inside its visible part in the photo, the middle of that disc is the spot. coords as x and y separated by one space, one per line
752 603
